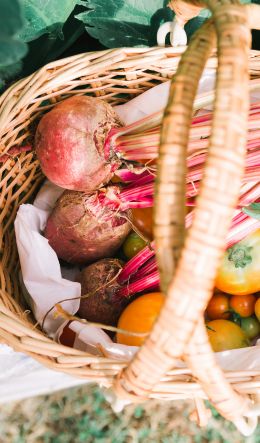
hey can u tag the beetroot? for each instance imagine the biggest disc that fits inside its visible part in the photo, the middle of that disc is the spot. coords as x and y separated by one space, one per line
81 229
70 140
98 281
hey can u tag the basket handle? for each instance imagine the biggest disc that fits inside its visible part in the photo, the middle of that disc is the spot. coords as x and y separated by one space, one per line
191 288
184 11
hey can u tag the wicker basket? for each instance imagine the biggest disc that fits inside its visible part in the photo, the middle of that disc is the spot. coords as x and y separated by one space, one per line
117 75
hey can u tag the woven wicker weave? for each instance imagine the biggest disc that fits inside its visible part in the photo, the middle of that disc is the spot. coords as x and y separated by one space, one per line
116 76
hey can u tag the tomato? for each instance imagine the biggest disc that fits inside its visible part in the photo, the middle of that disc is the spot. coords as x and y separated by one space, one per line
224 335
68 336
143 221
243 305
132 245
251 327
257 309
139 316
218 307
240 268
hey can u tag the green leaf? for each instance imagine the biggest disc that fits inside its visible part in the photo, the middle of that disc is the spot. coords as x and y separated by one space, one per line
117 23
46 48
45 16
252 210
11 22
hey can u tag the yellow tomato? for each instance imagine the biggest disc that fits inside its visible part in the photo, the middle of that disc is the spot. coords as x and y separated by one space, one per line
225 335
257 309
240 268
139 316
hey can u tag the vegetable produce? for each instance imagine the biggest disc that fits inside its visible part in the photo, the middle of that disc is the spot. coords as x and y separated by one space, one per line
224 335
81 229
139 316
80 144
243 305
143 221
98 287
257 309
69 143
251 327
218 307
132 245
240 268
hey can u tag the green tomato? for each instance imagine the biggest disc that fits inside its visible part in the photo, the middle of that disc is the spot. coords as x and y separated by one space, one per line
250 326
132 245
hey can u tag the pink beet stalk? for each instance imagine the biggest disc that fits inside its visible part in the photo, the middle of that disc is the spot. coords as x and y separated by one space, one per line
139 192
133 265
151 281
140 140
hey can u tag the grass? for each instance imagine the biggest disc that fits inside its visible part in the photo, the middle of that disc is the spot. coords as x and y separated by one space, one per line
82 415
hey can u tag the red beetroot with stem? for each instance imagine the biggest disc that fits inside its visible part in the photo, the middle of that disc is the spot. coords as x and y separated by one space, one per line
80 143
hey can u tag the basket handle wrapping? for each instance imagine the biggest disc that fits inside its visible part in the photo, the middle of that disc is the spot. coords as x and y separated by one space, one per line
184 10
191 287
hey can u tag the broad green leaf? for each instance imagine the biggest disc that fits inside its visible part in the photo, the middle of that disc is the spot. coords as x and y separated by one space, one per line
252 210
117 23
45 16
46 48
11 22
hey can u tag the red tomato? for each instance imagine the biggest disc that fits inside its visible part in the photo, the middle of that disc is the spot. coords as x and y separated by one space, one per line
143 221
240 268
224 335
139 316
218 307
243 305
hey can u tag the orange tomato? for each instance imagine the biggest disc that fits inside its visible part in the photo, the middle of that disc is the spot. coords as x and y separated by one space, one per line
257 309
243 305
139 316
143 221
224 335
218 307
240 268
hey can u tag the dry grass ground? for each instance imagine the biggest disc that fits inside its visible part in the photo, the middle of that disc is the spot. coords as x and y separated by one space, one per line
82 415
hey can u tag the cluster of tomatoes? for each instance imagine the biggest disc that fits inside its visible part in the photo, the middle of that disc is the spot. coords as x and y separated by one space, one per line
233 320
233 314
